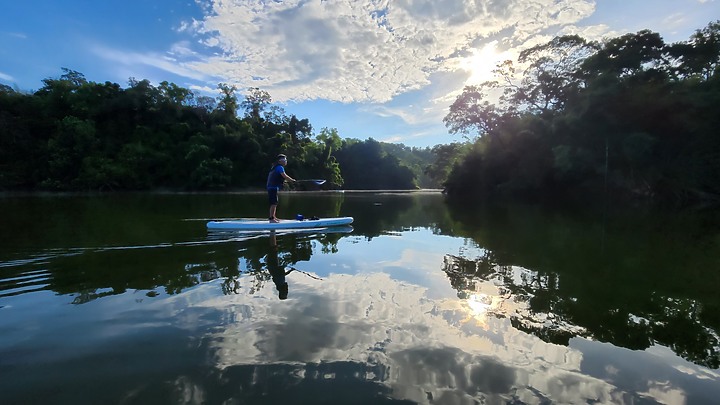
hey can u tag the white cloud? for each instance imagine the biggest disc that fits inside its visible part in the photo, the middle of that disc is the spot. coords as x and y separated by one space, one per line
18 35
203 89
406 137
168 63
349 50
591 32
6 77
674 20
410 114
182 48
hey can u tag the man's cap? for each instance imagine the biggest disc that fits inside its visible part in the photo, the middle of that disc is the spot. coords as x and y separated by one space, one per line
281 157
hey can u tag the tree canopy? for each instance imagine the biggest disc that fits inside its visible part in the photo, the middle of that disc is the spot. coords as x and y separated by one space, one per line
76 135
628 116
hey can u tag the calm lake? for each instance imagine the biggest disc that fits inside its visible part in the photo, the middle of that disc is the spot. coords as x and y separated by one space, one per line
130 299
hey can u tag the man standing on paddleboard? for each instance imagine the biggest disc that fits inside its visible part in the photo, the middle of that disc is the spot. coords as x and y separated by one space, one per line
276 178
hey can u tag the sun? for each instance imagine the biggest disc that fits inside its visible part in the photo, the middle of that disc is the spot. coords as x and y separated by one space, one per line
481 63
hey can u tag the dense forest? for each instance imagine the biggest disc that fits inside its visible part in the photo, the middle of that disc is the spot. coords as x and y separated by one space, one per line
628 117
77 135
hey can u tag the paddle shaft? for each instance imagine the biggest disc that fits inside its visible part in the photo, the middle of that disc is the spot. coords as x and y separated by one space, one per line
316 181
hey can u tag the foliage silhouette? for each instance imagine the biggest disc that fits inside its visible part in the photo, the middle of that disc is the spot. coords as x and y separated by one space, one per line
77 135
629 117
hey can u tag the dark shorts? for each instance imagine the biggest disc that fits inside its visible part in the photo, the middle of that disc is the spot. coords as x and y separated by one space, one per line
273 195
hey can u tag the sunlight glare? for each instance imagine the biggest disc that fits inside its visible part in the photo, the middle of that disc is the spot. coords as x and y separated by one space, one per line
479 305
481 63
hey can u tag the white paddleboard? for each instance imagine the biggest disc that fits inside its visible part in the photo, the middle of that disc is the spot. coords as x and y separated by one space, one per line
283 224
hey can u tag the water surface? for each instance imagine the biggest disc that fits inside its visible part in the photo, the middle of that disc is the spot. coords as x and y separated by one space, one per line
129 299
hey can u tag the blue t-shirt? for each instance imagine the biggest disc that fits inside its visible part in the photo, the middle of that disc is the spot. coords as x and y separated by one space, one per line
275 178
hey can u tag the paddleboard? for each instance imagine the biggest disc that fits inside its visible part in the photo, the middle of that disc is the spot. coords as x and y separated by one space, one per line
283 224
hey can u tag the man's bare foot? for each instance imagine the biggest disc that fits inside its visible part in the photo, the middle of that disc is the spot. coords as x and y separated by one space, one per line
274 220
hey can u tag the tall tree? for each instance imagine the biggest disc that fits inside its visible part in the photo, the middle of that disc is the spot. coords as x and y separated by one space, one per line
255 103
227 101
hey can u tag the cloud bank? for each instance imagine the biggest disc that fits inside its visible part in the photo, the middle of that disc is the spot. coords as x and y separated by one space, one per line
368 50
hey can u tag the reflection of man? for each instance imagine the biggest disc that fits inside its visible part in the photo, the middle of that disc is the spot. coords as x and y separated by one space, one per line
277 271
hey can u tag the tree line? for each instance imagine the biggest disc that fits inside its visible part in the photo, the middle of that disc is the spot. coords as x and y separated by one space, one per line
625 117
76 135
630 116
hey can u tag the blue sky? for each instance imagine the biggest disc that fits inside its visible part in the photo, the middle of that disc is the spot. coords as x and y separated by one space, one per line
386 69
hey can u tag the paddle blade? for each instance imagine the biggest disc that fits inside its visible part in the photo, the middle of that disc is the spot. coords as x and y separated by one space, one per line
316 181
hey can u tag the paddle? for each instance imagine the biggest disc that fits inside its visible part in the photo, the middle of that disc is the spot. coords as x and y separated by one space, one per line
319 182
305 273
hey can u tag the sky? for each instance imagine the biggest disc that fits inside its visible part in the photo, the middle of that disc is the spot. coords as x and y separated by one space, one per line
382 69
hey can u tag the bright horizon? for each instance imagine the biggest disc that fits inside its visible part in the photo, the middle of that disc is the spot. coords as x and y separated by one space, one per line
370 68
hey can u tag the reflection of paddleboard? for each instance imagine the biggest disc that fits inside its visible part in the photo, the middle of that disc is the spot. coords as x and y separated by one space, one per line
283 224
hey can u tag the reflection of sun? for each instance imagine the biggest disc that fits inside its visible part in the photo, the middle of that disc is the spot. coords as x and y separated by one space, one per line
481 63
480 305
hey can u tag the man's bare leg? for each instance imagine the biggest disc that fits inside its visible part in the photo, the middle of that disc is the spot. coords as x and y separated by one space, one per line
272 217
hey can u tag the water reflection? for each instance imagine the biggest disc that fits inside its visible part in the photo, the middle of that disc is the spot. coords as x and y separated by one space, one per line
272 255
644 286
372 333
420 303
277 272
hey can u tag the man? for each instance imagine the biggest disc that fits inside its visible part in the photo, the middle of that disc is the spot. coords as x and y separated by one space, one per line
276 178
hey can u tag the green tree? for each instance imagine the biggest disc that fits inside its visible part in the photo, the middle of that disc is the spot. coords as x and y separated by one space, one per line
73 142
628 116
227 101
364 165
700 56
445 158
329 141
255 103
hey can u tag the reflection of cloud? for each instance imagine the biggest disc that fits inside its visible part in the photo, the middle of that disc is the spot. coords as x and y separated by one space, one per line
683 365
665 394
450 374
416 259
374 319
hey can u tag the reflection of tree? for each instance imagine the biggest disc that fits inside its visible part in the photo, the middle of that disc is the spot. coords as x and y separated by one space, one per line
463 273
83 297
92 274
619 282
164 267
377 214
524 297
678 324
274 255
